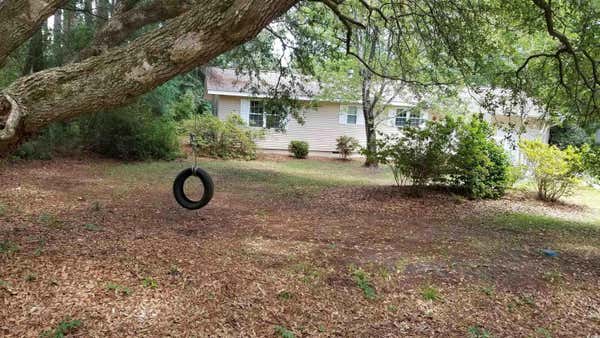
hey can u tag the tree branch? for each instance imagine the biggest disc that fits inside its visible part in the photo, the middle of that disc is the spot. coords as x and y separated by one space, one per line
129 18
20 19
121 74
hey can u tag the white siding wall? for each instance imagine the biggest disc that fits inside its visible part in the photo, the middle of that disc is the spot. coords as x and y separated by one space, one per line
322 126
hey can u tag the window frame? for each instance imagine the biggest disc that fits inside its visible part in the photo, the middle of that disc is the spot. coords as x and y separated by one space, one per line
355 115
410 118
264 115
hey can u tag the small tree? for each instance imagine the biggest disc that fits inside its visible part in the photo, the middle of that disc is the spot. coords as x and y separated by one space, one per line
556 171
346 145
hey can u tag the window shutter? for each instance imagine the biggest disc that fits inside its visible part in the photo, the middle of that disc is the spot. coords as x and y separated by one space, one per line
342 115
245 110
360 117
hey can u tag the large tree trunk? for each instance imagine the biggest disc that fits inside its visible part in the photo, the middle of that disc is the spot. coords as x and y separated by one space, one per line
123 73
19 19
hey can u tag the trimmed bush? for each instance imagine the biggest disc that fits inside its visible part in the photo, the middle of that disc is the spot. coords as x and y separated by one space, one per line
299 149
346 145
555 171
229 139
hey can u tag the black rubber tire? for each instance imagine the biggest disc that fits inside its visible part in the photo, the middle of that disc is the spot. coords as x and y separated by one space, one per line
180 196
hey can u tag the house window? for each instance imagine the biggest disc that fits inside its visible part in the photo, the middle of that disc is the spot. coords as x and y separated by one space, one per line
257 114
407 117
351 115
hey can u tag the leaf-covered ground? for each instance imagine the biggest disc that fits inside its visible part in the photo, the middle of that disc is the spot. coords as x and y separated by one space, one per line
287 247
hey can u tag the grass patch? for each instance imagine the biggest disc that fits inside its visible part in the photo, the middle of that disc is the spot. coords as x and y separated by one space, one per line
3 209
66 327
521 222
363 281
285 178
430 293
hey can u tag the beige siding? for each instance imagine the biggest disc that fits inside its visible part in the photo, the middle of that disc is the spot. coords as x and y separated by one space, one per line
322 127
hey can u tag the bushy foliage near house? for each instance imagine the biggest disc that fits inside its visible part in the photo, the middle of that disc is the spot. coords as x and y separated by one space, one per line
131 133
479 165
229 139
298 149
420 154
555 171
346 145
569 134
453 152
591 161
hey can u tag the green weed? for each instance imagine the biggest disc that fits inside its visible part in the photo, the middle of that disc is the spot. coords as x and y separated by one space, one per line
430 293
51 221
283 332
66 327
284 295
118 289
364 283
30 277
92 227
7 247
149 282
478 332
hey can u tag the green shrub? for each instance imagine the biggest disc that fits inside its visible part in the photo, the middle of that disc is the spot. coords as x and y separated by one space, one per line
183 108
229 139
131 133
515 174
455 152
419 154
58 138
479 165
346 145
299 149
555 171
568 134
591 161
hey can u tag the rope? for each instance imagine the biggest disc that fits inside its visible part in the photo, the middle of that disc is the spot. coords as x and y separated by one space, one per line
193 141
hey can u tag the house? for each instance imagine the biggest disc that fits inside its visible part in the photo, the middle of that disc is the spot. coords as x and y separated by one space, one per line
231 93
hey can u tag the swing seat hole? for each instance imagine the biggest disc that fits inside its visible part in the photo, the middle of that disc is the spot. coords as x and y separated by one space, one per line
193 188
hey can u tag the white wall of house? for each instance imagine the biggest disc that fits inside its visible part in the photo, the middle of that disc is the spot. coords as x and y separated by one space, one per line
324 124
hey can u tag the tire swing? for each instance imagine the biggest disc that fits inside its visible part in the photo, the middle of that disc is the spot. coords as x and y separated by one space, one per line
196 171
